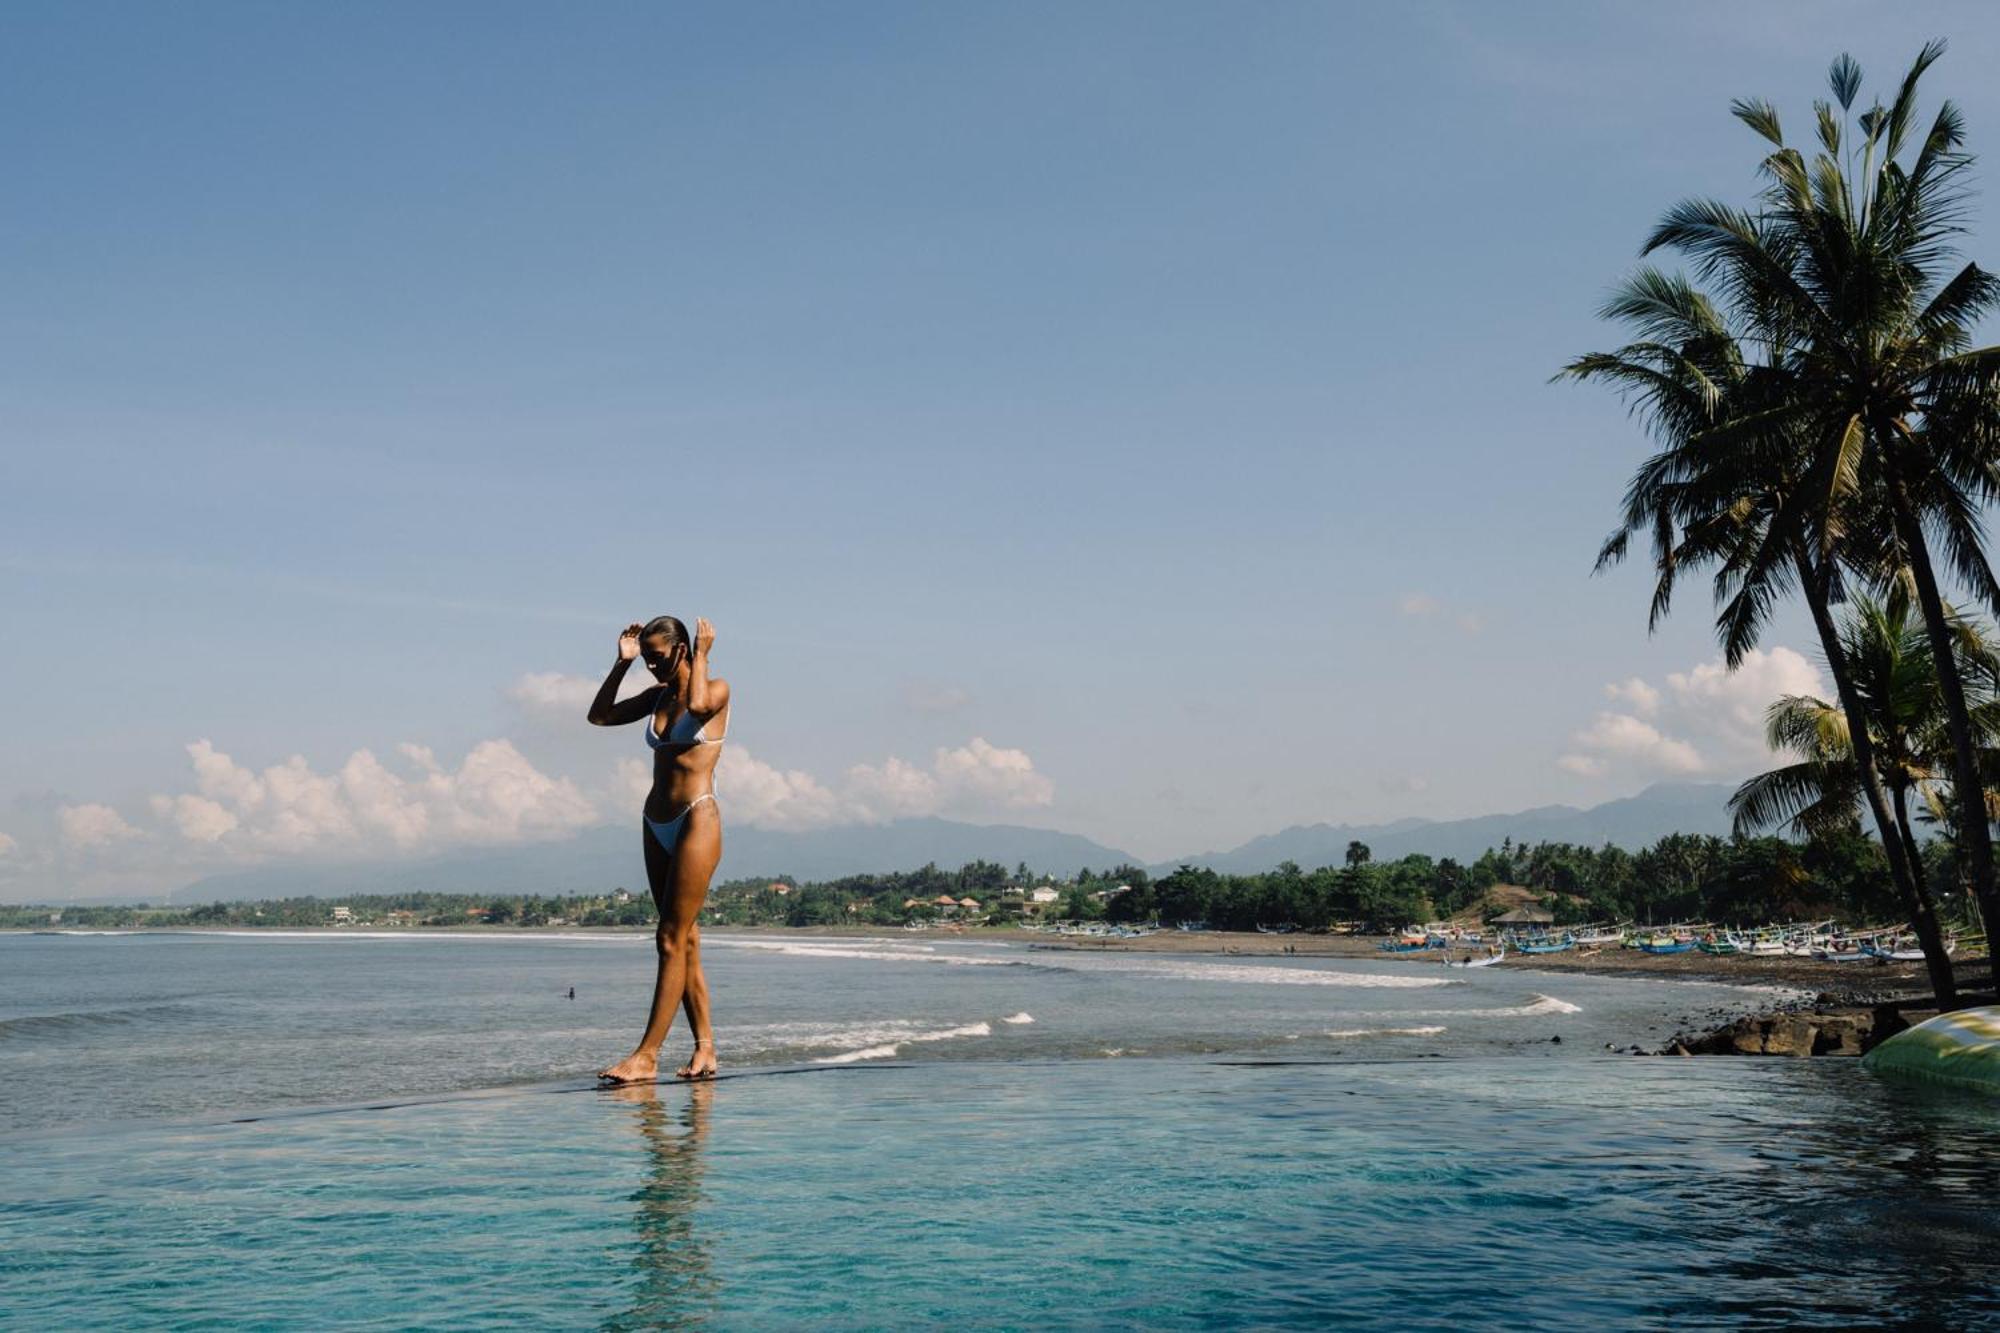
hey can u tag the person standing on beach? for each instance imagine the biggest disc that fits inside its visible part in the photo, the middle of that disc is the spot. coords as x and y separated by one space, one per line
687 716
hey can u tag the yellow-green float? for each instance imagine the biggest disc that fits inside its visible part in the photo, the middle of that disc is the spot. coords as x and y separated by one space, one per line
1959 1049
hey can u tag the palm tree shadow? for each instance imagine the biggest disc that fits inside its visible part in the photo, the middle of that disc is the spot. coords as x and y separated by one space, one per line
676 1284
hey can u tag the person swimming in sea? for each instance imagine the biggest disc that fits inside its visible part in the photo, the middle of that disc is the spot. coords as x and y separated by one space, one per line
687 716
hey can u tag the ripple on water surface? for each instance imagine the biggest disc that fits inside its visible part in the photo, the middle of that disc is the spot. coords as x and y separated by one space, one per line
1119 1193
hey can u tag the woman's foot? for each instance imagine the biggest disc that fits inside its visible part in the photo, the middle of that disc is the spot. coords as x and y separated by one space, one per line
701 1064
638 1067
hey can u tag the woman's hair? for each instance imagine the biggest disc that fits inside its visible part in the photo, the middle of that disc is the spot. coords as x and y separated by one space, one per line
676 633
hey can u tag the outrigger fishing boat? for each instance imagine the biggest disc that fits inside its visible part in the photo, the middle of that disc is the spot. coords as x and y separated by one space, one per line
1543 944
1904 950
1667 942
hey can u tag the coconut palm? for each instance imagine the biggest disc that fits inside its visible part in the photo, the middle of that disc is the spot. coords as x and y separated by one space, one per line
1704 504
1893 669
1869 426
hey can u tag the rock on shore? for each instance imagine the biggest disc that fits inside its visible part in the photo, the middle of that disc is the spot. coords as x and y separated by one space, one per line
1836 1031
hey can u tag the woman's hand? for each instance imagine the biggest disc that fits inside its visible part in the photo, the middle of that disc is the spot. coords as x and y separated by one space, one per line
628 642
704 634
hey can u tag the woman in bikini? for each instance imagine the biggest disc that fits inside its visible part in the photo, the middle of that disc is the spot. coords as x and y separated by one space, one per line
683 834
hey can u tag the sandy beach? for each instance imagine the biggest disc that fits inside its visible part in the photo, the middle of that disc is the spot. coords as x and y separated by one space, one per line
1842 979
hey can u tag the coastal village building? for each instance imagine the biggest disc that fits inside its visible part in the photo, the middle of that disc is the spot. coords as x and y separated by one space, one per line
343 915
1045 894
1527 915
621 895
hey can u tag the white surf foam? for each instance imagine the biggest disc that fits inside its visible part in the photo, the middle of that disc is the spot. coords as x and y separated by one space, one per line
1386 1032
1539 1007
1019 1018
887 1050
1276 975
921 953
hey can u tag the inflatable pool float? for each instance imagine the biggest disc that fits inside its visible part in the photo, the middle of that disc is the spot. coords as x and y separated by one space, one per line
1959 1049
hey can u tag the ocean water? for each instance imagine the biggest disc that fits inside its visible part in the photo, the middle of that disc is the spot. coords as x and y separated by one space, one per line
266 1132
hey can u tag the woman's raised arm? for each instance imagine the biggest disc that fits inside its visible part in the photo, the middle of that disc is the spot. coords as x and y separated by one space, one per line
605 709
706 697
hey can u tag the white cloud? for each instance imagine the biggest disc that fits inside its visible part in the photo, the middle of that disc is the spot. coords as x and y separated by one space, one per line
411 801
977 778
198 818
979 774
7 844
1738 699
92 825
1707 721
1641 697
766 796
494 795
1621 737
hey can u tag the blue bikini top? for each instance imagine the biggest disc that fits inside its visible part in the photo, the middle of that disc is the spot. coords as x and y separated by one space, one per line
683 732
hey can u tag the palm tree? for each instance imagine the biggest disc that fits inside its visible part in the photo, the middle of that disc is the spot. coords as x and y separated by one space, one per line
1894 670
1867 424
1687 376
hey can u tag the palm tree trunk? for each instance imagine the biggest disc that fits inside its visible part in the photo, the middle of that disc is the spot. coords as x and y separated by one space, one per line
1904 870
1975 836
1930 936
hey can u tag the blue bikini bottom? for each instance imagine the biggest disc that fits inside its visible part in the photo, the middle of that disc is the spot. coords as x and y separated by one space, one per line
668 831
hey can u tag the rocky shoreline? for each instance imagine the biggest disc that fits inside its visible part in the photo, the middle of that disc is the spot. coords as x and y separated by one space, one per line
1823 1025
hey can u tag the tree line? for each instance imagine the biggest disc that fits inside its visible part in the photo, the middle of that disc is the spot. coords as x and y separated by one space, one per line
1834 872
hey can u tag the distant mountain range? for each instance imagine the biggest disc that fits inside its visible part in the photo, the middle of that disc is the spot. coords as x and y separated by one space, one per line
1634 822
604 858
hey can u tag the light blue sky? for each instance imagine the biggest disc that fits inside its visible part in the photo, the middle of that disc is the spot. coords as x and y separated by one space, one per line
1156 390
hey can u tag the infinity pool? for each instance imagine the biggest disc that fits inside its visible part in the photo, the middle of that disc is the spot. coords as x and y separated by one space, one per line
1123 1193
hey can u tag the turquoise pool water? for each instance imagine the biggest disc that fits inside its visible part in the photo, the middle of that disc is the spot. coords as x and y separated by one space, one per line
1019 1178
1151 1193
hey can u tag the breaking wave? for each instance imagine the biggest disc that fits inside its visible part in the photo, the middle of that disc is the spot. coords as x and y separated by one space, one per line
1541 1006
888 1049
1430 1031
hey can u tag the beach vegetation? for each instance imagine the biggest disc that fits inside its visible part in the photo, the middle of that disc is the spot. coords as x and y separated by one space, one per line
1825 418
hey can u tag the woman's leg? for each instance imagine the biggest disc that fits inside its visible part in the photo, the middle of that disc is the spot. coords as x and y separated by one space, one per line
695 1004
679 880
